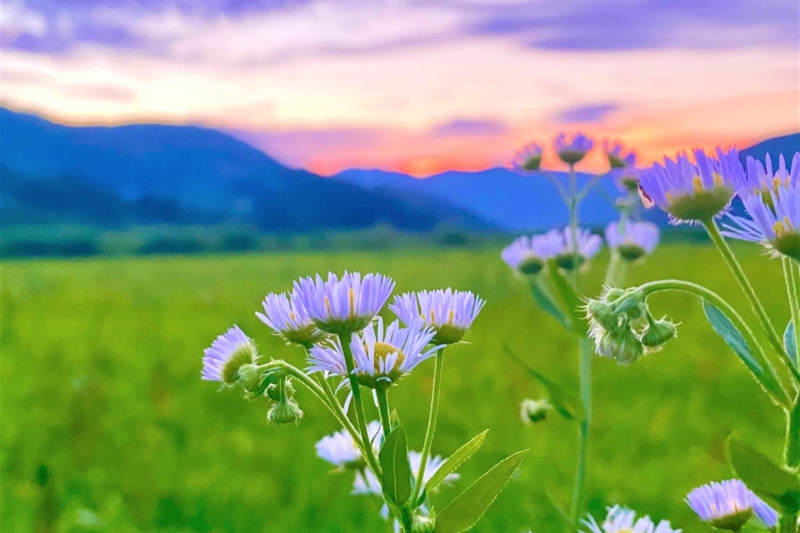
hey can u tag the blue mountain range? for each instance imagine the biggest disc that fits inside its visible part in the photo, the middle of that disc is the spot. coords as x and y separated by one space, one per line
143 174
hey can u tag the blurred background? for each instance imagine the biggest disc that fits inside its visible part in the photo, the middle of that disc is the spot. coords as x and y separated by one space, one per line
166 164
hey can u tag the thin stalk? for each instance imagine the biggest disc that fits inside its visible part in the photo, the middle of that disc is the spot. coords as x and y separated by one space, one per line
383 408
573 223
791 292
585 349
431 429
788 523
747 287
773 385
338 412
358 403
792 448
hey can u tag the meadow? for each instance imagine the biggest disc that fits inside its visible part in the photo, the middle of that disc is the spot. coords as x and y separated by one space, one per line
107 427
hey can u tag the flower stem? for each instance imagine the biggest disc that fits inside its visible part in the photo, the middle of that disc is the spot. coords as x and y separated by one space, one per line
791 291
573 223
769 379
358 403
792 450
431 429
383 408
585 349
747 287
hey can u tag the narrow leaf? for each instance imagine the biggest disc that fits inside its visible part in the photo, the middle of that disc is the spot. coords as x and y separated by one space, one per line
571 300
790 343
565 403
545 301
471 505
455 461
772 483
732 337
396 476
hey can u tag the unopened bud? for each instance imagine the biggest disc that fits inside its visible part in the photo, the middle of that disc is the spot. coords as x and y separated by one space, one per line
422 524
658 333
533 411
285 412
249 377
620 344
603 314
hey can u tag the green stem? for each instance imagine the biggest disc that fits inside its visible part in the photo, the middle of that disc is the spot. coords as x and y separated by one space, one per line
788 523
585 349
431 429
383 408
573 223
747 287
792 449
770 379
358 404
791 292
341 416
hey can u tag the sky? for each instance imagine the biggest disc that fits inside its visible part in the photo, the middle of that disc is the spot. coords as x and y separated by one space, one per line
418 86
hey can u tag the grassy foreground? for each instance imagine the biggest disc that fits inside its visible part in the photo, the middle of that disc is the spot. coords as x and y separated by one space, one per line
106 426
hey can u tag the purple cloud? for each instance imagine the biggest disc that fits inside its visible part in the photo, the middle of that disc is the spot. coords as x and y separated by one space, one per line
590 113
470 128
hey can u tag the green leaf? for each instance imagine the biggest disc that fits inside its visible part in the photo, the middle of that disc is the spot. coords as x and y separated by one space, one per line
470 505
564 402
732 337
396 475
545 301
790 343
455 461
571 300
771 482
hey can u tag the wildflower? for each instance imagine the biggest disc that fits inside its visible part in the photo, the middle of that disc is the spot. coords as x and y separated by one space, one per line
774 221
616 159
621 344
527 255
693 192
729 505
226 355
764 179
529 159
285 411
366 482
448 313
290 320
534 410
622 520
572 150
587 247
381 356
339 449
633 240
344 306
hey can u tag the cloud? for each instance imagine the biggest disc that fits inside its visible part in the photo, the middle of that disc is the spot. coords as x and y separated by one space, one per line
470 128
100 91
591 113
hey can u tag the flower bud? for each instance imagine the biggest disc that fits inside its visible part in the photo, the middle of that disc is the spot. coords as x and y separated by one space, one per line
285 412
249 377
603 314
532 163
613 294
422 524
570 261
620 344
658 333
531 266
533 411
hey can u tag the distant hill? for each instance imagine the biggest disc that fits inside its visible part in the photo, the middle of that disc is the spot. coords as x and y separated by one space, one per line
173 174
786 145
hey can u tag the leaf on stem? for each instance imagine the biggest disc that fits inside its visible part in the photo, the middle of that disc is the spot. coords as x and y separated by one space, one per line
777 486
564 402
790 343
723 327
471 505
396 471
455 461
570 299
546 303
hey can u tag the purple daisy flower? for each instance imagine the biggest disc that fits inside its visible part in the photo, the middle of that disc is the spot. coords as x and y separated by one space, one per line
448 313
572 150
588 245
693 192
528 255
729 505
633 240
761 178
381 356
774 221
529 159
226 355
616 158
290 320
622 520
343 306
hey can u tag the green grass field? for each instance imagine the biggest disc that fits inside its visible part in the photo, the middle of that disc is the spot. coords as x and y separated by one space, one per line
106 425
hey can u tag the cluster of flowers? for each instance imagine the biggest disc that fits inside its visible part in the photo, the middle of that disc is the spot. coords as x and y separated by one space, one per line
728 505
336 321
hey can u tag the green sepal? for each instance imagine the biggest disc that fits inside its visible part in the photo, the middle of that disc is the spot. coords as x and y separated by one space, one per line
463 512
